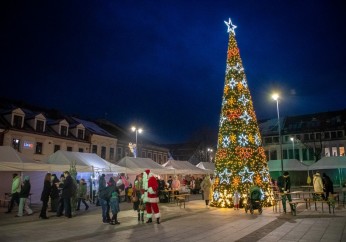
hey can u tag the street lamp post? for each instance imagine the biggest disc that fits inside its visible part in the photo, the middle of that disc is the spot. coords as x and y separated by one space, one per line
209 150
276 98
292 139
137 130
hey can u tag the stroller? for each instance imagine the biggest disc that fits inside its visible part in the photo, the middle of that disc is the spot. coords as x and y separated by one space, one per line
254 200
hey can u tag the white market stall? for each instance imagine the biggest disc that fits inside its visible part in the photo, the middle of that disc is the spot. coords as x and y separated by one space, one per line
208 166
183 167
139 165
288 165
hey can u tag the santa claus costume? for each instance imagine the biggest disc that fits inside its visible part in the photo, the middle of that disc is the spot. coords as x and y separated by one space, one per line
151 198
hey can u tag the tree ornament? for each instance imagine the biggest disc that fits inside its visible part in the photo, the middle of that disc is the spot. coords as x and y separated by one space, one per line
246 175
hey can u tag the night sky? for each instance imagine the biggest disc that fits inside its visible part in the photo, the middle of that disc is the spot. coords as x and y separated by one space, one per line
161 64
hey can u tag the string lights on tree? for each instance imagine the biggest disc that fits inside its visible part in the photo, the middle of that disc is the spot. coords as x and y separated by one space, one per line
239 160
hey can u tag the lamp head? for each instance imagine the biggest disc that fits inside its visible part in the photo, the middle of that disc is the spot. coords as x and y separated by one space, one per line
275 96
292 139
133 128
140 130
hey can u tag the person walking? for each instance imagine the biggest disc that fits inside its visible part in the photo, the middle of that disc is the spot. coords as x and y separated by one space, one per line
114 204
15 190
45 196
151 196
54 194
206 186
82 193
66 194
102 197
328 185
23 196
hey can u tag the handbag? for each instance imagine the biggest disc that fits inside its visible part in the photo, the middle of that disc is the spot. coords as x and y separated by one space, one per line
134 198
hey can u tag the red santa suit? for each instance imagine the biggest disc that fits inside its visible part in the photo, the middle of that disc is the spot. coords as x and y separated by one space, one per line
151 198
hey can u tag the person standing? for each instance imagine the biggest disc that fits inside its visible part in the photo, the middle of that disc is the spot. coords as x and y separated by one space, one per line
82 192
169 181
45 196
138 185
102 197
318 185
23 195
151 196
207 188
15 190
176 184
67 192
54 194
285 180
328 185
114 204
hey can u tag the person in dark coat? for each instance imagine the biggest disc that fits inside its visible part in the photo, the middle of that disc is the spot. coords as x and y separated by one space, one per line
67 192
23 196
45 196
328 185
285 189
54 194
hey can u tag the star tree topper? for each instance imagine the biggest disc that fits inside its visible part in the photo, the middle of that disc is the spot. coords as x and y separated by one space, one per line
230 27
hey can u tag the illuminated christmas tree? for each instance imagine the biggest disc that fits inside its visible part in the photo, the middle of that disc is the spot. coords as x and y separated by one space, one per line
240 160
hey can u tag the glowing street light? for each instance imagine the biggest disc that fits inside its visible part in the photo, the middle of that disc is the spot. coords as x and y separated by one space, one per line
292 139
137 130
276 97
209 150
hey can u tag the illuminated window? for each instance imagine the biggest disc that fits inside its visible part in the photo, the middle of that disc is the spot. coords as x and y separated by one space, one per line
334 151
326 152
342 151
16 144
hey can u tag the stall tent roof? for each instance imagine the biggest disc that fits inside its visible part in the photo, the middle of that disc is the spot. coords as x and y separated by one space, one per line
11 160
210 167
139 165
85 162
332 162
288 164
183 167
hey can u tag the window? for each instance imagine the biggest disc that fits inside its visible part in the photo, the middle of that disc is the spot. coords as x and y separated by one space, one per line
311 153
306 136
305 154
296 154
326 135
326 152
312 136
38 148
273 155
103 152
160 159
334 151
284 154
318 136
56 148
275 139
268 140
333 134
155 158
94 149
69 148
144 154
340 134
39 126
81 150
17 121
119 153
63 130
286 138
149 155
342 151
80 134
16 144
298 136
111 153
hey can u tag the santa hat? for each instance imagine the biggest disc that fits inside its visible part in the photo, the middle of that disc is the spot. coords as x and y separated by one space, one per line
147 171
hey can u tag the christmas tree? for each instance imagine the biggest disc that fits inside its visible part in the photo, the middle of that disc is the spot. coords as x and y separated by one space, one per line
240 161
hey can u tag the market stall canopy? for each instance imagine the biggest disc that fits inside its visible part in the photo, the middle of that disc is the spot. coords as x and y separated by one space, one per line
289 165
11 160
208 166
139 165
331 162
85 162
183 167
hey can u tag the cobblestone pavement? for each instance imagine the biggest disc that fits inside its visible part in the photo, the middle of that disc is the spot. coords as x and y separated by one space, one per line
194 223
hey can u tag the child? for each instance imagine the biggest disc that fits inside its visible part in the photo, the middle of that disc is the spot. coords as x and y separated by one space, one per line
114 204
236 199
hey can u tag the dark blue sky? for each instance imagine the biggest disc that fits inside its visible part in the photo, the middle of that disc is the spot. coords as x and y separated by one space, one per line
161 64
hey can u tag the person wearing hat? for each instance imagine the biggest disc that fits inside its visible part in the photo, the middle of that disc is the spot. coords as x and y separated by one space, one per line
23 196
318 184
151 198
285 190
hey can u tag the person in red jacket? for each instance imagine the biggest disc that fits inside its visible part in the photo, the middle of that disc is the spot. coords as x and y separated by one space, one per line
151 198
